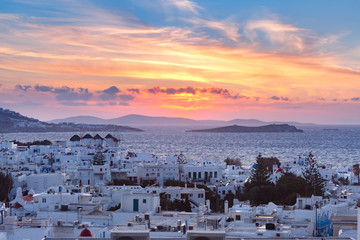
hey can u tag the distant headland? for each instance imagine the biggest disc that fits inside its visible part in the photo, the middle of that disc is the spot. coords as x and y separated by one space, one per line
13 122
243 129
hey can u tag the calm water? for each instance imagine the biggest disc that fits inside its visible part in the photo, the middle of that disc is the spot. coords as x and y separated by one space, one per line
339 147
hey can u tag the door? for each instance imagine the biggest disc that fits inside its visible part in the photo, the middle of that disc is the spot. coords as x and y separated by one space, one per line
136 205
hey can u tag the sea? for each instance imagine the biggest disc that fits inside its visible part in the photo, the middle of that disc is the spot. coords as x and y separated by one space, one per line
336 145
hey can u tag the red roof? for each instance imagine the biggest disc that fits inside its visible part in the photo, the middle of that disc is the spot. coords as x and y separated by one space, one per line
86 233
280 170
17 205
28 198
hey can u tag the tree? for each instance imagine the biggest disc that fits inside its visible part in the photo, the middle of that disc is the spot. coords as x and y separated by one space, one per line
28 144
258 188
187 205
262 194
313 177
121 182
114 208
175 183
233 161
344 181
260 174
269 162
6 184
176 205
288 187
230 198
356 171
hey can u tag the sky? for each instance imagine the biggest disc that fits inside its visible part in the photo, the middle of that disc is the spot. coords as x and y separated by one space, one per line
269 60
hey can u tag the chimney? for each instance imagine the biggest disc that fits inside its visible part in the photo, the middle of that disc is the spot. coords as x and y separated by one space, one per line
208 204
226 207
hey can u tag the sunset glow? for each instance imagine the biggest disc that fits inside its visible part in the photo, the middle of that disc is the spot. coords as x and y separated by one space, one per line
64 58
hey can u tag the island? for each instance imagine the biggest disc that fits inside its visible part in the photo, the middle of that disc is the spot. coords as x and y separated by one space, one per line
13 122
243 129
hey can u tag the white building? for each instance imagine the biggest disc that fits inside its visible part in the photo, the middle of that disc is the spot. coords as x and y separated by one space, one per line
196 196
75 141
224 189
41 182
157 173
87 140
140 202
206 171
111 141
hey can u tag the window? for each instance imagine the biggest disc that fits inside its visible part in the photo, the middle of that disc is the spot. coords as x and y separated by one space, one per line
194 175
215 174
147 174
199 173
238 218
158 174
189 174
144 200
183 195
44 200
223 192
200 195
100 169
211 173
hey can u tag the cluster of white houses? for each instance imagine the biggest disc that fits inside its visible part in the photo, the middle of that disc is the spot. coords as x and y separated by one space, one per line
69 196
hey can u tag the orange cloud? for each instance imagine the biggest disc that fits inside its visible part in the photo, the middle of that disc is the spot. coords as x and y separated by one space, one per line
251 72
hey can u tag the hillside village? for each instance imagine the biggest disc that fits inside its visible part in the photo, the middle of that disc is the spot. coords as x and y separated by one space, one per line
91 187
